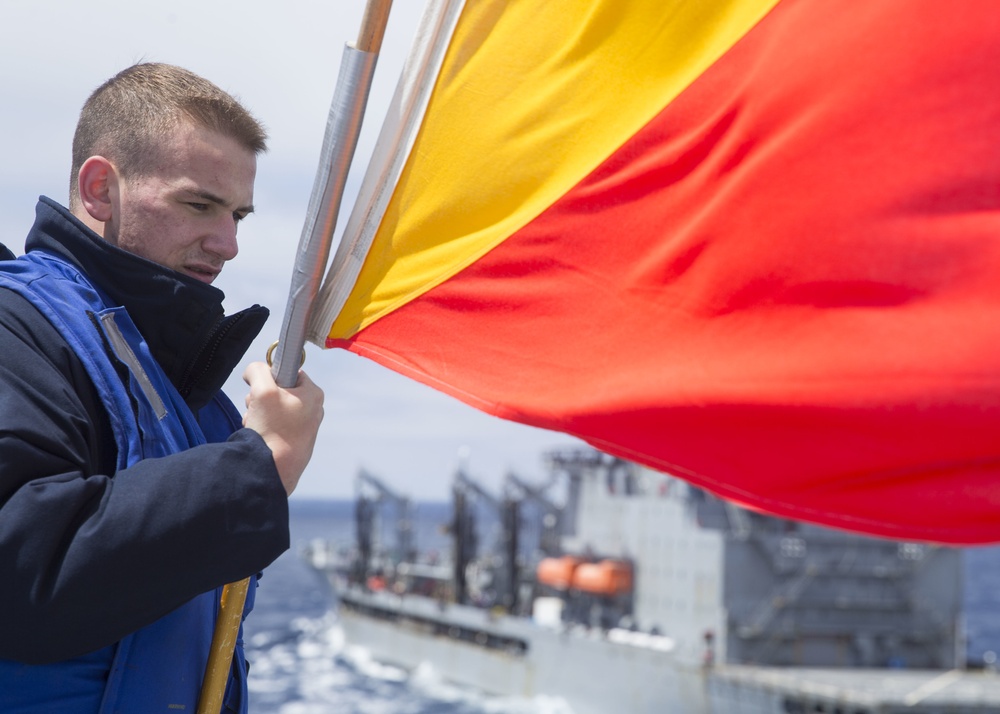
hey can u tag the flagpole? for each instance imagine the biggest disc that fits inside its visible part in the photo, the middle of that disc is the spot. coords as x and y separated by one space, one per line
339 142
341 138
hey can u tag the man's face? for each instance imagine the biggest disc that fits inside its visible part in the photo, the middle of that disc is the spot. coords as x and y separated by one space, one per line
184 212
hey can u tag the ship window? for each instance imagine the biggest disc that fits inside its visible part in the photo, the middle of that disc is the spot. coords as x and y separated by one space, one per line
792 706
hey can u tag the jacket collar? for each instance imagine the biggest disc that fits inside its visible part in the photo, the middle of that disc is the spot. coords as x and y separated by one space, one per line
181 319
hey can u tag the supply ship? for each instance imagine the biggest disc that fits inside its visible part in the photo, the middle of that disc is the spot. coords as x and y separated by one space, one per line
622 589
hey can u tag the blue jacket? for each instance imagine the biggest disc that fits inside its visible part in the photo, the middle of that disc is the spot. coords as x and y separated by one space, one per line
138 482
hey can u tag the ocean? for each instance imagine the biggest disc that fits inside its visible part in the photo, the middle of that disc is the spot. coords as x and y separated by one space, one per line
300 663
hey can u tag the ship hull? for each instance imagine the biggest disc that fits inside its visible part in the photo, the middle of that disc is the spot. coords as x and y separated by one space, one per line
512 657
508 656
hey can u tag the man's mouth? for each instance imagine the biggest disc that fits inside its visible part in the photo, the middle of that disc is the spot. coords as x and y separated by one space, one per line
204 273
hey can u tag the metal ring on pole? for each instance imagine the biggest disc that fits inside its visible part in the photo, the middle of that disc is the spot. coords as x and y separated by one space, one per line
270 352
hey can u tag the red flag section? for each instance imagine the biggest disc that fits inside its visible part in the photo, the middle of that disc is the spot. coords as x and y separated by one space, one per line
784 287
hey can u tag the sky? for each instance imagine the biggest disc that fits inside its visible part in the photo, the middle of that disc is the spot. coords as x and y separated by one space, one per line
282 63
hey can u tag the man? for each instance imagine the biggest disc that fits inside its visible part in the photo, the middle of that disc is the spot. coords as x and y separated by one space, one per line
130 491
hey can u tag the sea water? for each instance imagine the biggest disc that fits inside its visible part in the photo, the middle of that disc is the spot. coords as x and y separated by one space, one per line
300 663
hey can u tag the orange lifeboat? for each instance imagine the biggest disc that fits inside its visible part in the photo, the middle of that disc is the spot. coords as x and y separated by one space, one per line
557 572
608 578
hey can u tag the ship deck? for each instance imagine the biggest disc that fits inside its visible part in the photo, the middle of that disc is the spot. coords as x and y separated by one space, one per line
856 691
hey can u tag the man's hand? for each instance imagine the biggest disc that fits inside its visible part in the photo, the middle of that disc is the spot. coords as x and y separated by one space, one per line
287 419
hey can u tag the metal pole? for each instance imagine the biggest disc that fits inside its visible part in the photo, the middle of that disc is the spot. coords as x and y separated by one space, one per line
341 138
342 129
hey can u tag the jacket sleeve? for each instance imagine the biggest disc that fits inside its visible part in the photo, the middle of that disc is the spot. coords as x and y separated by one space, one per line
88 555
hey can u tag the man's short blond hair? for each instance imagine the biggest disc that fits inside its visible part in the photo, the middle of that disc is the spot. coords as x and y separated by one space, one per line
125 118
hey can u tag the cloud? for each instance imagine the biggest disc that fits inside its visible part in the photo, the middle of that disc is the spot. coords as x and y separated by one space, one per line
281 59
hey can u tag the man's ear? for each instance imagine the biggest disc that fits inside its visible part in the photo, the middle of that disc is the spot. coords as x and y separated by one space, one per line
98 185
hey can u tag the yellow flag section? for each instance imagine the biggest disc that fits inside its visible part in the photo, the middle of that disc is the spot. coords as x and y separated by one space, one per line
530 98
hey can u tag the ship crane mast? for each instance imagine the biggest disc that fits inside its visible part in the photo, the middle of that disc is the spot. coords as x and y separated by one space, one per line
372 496
550 538
465 493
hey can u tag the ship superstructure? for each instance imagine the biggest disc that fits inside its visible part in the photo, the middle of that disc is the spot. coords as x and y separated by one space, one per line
761 590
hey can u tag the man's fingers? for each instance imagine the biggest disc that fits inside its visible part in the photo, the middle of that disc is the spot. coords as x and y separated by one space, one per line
256 371
287 419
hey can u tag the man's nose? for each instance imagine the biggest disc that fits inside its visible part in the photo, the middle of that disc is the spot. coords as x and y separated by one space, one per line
222 240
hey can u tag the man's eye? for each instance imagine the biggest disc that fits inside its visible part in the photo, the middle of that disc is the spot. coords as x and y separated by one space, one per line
200 207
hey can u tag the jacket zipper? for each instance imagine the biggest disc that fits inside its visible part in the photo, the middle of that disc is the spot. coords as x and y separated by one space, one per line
206 354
